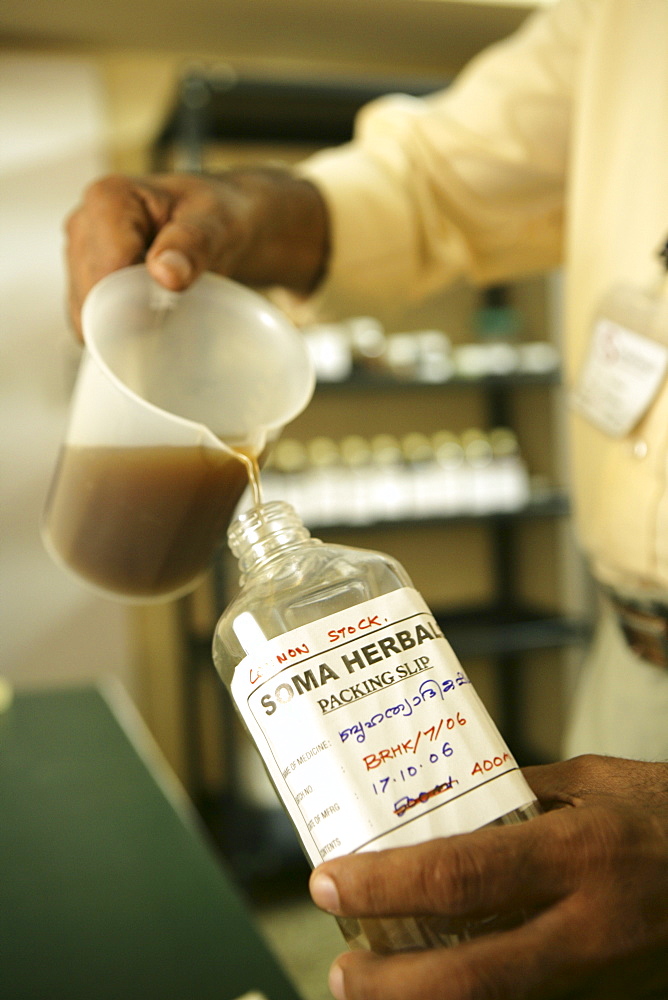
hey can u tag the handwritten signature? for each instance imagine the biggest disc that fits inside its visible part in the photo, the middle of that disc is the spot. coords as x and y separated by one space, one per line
402 805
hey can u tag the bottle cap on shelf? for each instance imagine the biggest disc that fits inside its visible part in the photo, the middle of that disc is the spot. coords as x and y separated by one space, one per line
417 447
367 339
288 456
447 448
355 451
477 447
323 452
504 442
385 450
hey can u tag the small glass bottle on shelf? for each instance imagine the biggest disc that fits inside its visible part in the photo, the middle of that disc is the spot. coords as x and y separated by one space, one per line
369 729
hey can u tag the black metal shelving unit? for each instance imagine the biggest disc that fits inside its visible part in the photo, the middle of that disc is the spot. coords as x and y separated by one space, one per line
222 106
214 108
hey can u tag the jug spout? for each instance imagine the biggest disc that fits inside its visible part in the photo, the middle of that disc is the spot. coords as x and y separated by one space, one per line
253 445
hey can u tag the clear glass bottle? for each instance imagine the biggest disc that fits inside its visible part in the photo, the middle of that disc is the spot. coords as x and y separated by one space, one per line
370 731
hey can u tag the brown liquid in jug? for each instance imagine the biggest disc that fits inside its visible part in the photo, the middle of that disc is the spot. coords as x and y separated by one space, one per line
144 522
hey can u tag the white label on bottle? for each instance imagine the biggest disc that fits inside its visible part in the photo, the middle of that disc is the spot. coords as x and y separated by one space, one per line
372 733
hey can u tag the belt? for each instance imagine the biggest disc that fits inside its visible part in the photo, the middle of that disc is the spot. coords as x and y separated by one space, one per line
644 625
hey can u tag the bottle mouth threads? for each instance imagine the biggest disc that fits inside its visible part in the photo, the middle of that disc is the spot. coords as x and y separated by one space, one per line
260 531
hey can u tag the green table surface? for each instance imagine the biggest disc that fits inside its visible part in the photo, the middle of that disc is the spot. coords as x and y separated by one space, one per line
108 888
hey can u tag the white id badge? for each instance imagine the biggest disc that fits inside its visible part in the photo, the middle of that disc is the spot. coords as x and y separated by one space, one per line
627 360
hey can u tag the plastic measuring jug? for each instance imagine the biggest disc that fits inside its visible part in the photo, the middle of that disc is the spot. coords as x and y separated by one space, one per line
177 394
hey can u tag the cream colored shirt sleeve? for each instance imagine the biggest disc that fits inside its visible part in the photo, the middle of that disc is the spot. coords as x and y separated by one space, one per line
468 182
551 147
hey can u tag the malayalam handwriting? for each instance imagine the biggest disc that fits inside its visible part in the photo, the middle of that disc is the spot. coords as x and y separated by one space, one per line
430 688
427 690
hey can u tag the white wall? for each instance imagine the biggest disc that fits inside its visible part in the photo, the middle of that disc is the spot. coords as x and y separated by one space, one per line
52 138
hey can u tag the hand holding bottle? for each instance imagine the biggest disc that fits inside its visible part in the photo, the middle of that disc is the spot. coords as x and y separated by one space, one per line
262 226
370 731
595 874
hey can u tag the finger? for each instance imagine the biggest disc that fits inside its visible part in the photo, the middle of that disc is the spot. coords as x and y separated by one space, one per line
552 784
187 246
493 870
590 776
207 231
538 959
111 229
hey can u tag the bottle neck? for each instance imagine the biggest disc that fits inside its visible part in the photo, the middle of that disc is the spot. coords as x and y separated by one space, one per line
261 533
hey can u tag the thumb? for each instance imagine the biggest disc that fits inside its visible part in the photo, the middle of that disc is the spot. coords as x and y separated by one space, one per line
206 231
491 870
172 268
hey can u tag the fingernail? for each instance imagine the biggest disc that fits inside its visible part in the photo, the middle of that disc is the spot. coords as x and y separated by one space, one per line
174 266
335 983
324 892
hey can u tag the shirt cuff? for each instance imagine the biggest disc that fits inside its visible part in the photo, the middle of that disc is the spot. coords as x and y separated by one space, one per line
373 248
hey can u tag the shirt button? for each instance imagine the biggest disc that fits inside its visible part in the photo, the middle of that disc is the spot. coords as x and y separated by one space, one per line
639 448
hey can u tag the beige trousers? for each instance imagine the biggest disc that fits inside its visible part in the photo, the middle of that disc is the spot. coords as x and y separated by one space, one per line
620 707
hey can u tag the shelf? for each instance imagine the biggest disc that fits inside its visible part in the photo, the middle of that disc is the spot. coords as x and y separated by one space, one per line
544 503
227 108
485 630
497 631
385 381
